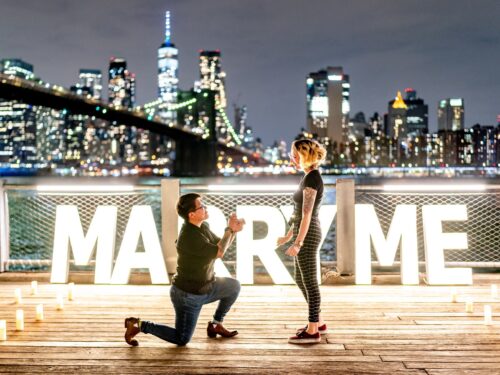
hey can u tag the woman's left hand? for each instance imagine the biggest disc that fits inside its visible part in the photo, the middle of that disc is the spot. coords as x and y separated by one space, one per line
293 250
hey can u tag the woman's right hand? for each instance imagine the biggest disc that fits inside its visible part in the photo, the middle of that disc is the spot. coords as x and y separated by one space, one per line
282 240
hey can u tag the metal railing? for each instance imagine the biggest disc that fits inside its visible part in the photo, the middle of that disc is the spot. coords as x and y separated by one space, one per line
27 218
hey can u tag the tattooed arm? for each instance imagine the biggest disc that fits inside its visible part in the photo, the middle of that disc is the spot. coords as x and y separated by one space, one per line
283 240
309 196
234 225
224 243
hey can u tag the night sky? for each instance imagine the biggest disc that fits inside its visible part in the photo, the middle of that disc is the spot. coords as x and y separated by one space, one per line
441 48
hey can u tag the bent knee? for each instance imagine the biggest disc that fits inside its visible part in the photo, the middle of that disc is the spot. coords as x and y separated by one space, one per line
183 341
236 287
233 284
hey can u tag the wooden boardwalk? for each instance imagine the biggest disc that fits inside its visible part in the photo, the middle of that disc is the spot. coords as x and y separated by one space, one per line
378 329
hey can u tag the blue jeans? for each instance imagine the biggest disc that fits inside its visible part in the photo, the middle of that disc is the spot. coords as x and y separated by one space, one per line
187 310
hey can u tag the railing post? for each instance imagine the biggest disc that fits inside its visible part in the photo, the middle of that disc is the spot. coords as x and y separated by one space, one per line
345 226
169 222
4 229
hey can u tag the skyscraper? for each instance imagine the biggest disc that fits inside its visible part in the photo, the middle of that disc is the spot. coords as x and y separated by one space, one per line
168 76
417 114
397 118
91 81
121 84
451 114
212 77
76 125
328 104
17 120
17 68
50 129
121 87
240 120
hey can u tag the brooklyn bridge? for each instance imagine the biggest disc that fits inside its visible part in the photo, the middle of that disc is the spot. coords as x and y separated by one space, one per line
195 154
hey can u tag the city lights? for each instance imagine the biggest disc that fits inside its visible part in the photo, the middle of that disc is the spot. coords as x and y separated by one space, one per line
84 188
98 142
437 188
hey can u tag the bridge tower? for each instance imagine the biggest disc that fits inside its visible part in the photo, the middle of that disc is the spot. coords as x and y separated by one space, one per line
196 158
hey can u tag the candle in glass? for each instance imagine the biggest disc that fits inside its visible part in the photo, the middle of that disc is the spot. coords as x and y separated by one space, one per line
39 312
3 330
18 296
60 302
19 320
469 306
487 315
34 287
71 291
454 295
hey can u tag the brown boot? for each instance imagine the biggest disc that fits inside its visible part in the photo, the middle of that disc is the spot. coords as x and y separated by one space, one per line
132 326
214 329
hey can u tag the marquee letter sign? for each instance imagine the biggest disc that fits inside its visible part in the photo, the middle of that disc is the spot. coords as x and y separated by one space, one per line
403 230
436 242
402 234
69 231
140 223
102 230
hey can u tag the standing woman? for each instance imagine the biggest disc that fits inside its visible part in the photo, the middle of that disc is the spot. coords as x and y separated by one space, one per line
307 155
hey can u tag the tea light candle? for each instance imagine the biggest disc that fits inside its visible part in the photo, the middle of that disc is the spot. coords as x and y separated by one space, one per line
60 302
34 287
469 306
487 315
494 291
3 330
18 296
71 291
454 295
19 320
39 312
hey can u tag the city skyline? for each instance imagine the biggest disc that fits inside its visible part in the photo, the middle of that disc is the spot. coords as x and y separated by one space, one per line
380 58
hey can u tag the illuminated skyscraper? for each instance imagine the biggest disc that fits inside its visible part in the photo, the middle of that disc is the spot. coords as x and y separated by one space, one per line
417 114
397 118
168 75
17 120
451 114
50 135
240 120
485 141
76 126
328 104
17 68
213 78
91 81
122 96
121 84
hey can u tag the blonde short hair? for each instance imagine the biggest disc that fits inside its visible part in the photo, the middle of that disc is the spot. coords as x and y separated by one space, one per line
311 153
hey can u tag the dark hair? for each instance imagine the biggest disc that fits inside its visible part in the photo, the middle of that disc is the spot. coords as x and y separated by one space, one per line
186 204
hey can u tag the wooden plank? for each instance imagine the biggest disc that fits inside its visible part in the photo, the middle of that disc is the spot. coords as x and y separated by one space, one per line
452 365
433 353
463 372
423 346
84 369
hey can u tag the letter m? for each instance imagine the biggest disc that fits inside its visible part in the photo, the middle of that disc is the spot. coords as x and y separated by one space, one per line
69 233
403 229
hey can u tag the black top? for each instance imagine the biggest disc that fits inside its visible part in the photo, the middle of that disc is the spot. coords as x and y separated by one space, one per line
197 249
313 180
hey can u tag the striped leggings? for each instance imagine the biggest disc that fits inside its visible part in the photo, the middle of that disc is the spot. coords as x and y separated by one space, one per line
306 268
